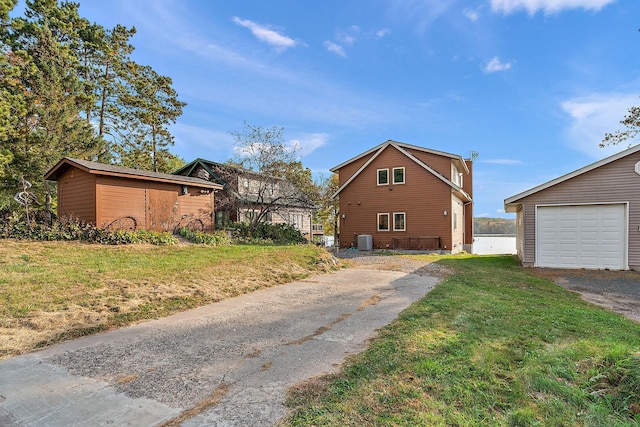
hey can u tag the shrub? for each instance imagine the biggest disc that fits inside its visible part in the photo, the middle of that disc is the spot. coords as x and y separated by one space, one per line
218 238
14 226
266 233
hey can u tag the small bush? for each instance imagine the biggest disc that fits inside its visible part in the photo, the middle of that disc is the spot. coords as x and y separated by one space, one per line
266 233
218 238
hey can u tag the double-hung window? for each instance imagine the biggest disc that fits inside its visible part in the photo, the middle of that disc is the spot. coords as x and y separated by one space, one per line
383 176
383 222
398 175
399 221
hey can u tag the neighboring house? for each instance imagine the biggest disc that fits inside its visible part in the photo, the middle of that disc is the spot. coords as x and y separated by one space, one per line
589 218
406 197
246 194
122 198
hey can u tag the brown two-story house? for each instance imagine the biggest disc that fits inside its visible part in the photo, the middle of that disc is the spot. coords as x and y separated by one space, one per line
406 197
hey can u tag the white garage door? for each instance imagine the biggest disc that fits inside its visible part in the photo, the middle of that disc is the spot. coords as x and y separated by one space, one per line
584 236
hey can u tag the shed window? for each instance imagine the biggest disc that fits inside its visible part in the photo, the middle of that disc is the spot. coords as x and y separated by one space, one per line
399 221
383 176
398 175
383 222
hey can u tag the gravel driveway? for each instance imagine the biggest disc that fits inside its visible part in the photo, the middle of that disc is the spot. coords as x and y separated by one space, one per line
616 290
225 364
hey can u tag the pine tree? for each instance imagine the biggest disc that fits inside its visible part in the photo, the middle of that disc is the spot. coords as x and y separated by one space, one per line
43 67
150 106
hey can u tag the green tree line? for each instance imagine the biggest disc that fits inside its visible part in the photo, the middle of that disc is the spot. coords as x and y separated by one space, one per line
494 226
68 87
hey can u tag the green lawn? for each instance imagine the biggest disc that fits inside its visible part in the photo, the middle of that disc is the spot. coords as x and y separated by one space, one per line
491 345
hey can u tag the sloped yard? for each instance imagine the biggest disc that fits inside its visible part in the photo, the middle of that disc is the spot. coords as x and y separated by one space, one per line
53 291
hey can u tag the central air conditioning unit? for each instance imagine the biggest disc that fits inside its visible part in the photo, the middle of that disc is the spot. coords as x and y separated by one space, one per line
365 242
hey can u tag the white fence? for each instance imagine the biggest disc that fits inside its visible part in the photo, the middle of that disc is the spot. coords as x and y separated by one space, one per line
494 245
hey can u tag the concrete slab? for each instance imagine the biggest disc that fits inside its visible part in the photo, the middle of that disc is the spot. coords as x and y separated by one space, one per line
226 364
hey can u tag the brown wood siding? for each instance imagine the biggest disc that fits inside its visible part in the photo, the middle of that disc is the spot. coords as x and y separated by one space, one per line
423 198
348 170
440 164
612 183
196 209
162 206
118 200
77 195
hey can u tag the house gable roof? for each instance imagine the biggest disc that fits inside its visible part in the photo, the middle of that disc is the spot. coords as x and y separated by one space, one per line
96 168
188 169
511 203
209 165
402 147
385 144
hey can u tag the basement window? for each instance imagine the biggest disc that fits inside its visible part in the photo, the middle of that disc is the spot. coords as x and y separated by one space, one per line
383 222
399 221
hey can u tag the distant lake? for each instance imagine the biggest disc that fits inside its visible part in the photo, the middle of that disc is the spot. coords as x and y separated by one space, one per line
494 244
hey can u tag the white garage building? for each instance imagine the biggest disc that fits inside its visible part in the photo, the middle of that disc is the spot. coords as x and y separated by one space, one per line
589 218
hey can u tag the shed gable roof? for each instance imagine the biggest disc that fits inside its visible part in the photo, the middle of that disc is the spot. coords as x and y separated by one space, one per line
511 203
402 148
96 168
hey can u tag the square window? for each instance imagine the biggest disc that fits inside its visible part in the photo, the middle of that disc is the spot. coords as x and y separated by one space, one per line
398 175
383 222
383 176
399 221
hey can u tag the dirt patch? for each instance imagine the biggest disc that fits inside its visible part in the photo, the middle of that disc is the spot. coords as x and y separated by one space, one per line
618 291
419 265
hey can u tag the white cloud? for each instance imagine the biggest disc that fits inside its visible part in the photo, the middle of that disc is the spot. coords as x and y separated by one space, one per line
382 33
502 161
593 116
193 141
494 65
267 35
335 48
307 144
546 6
472 15
423 12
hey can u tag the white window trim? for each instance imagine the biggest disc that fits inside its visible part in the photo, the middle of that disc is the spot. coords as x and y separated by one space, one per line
393 175
388 222
405 221
378 176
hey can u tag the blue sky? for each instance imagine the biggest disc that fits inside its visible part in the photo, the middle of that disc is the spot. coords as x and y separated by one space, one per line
531 85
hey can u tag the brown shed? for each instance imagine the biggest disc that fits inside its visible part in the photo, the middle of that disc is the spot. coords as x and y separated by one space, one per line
406 197
122 198
589 218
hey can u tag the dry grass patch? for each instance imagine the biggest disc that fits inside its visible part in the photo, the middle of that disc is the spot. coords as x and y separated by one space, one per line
51 291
